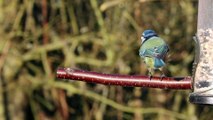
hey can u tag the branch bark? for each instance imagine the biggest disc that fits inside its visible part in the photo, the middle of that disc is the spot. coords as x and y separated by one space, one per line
125 80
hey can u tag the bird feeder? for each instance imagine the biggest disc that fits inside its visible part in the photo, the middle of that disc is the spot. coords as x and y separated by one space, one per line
203 77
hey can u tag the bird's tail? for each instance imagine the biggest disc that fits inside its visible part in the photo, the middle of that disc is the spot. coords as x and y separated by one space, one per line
158 63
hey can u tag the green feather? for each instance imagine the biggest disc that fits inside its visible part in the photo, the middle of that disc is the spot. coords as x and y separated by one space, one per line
152 42
149 62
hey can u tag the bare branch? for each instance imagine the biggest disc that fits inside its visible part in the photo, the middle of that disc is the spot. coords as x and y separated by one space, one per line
125 80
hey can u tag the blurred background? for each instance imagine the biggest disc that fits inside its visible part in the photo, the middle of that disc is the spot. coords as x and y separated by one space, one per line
37 37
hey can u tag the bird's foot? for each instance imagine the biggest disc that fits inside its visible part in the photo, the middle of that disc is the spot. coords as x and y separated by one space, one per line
161 77
150 77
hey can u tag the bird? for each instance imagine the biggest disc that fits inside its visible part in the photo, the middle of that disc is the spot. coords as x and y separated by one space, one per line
153 50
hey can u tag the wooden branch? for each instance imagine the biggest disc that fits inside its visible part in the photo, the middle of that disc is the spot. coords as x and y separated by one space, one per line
125 80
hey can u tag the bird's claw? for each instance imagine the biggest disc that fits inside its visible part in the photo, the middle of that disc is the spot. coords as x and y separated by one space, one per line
161 77
150 77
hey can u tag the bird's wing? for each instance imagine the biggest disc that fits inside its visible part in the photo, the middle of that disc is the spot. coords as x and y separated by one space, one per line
154 47
158 52
153 42
146 52
161 51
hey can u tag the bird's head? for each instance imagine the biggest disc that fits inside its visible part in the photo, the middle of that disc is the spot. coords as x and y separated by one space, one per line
148 34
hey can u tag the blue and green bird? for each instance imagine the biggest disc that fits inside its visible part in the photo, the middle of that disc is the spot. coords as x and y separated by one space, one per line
153 50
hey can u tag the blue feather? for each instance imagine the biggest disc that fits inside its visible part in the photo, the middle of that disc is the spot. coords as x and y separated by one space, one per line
158 63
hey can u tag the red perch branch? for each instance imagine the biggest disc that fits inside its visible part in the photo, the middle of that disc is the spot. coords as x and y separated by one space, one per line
125 80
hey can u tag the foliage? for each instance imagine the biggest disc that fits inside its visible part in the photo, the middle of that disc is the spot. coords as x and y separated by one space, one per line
96 35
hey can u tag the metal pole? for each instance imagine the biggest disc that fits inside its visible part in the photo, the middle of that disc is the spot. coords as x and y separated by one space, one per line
203 78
